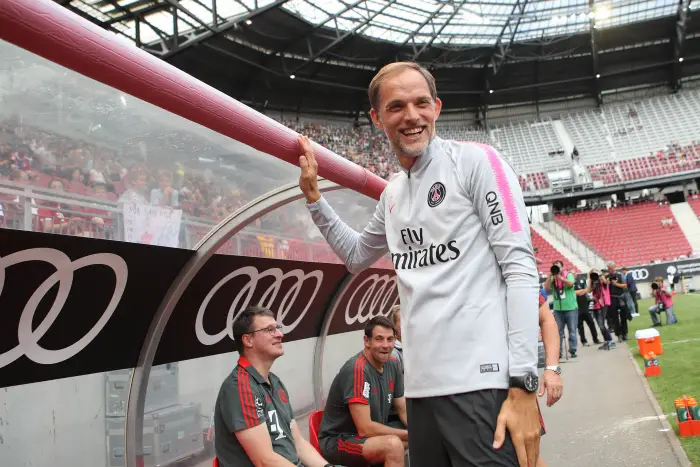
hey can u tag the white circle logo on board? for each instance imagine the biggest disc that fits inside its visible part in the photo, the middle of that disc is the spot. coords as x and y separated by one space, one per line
245 294
29 338
375 301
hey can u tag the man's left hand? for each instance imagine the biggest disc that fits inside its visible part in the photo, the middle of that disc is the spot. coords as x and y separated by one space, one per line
551 382
519 415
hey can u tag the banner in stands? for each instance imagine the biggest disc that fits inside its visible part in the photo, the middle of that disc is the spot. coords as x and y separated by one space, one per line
152 225
73 306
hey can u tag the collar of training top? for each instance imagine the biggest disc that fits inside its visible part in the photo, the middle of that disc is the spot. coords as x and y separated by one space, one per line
245 363
424 159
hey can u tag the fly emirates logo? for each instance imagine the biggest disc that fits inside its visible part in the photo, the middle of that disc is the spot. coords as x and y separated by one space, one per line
420 255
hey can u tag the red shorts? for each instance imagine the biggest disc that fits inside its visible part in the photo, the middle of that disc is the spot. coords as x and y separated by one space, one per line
544 431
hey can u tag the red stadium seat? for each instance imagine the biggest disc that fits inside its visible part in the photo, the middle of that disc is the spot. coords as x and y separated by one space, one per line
215 462
547 254
314 425
652 240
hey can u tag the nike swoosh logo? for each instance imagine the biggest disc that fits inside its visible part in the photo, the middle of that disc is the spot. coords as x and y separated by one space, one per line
391 207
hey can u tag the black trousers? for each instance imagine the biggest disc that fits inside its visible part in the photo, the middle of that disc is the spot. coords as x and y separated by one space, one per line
599 316
457 431
584 316
617 315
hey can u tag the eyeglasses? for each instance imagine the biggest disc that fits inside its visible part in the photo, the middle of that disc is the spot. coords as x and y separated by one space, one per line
270 330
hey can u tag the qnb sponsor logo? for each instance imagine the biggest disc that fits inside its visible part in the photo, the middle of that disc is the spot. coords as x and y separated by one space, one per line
289 283
495 209
418 255
27 336
372 297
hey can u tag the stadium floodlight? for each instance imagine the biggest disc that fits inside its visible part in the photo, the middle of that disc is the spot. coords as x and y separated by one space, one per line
602 12
248 22
597 75
490 91
292 76
680 59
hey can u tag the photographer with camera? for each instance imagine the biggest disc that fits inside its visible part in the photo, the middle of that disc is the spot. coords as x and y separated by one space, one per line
618 312
584 311
600 290
561 284
663 302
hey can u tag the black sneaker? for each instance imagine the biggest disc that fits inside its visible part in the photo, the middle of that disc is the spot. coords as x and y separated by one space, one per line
573 354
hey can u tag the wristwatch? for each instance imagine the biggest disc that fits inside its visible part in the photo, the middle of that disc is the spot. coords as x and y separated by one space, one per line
529 382
554 368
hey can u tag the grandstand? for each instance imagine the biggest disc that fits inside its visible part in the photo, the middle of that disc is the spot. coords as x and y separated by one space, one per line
604 231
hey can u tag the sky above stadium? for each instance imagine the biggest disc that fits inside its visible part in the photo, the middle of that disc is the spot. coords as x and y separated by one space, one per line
452 22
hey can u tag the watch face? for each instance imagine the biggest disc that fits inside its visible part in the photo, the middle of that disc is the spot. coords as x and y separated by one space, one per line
531 383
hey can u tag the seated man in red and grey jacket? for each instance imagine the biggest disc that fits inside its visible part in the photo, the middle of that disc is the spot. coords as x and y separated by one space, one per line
355 430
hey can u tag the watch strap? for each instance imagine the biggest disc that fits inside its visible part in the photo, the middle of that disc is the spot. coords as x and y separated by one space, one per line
529 382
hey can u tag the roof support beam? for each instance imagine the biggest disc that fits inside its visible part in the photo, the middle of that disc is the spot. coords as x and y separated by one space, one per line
138 19
499 52
93 20
305 36
679 42
437 33
223 28
411 37
343 37
595 82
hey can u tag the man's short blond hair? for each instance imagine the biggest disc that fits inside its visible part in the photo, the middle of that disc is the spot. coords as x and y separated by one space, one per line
396 67
394 313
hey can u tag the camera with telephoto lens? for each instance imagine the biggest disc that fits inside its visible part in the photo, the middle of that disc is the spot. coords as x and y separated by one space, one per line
654 286
554 270
595 276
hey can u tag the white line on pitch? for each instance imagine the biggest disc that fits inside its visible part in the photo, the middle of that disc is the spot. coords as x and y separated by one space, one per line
681 342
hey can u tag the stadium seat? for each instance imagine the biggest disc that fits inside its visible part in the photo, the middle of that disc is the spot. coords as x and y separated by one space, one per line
215 462
607 232
547 254
314 425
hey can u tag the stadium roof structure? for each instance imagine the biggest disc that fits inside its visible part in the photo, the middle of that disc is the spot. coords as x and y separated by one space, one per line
319 56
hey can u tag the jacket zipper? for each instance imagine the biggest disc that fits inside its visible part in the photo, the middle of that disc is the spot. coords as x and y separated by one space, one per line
410 192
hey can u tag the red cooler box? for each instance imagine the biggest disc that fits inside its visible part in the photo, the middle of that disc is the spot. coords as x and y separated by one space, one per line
648 340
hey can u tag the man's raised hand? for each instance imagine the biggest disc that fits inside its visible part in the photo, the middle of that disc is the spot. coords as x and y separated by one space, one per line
308 181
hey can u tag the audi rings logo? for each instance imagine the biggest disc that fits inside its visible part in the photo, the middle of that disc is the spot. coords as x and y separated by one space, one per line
639 274
242 299
29 338
376 300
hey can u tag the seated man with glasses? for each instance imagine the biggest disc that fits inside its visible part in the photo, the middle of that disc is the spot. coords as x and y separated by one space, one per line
355 429
253 417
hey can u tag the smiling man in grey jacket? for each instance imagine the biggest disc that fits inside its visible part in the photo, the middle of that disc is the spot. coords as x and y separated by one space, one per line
455 223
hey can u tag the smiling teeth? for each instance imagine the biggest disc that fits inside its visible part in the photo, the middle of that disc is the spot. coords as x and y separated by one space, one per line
413 131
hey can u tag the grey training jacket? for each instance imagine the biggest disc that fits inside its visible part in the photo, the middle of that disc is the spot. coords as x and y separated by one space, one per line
458 233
